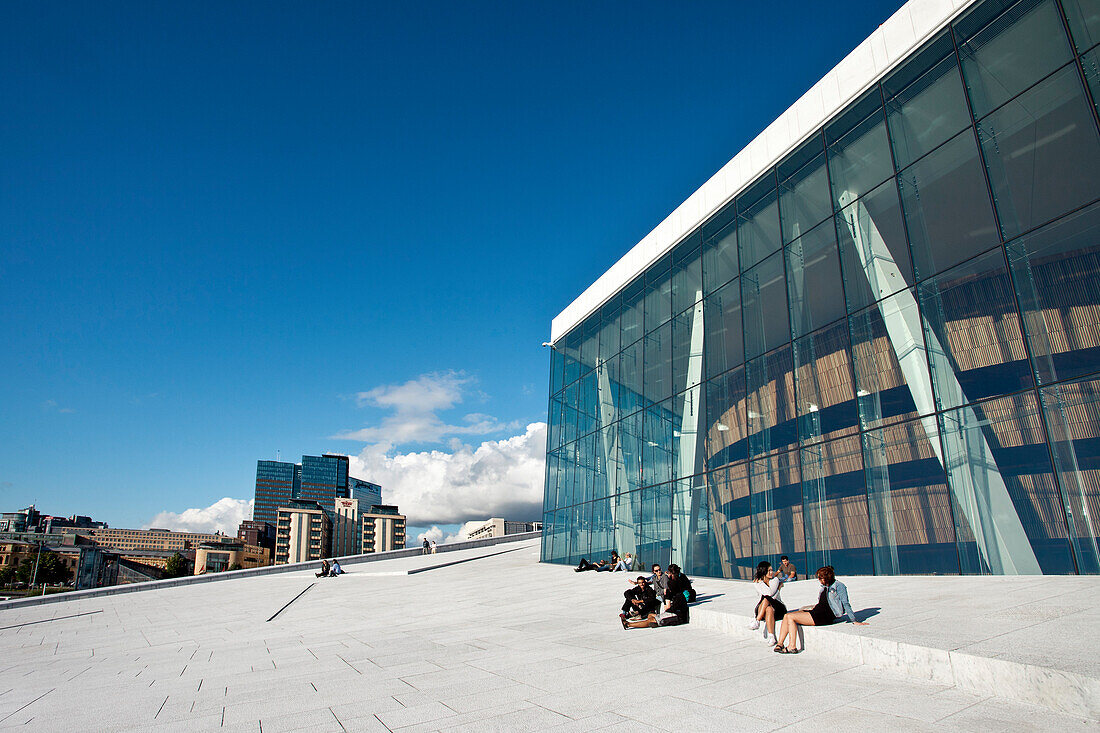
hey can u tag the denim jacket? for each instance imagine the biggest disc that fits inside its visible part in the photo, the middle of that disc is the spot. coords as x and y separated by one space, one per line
838 601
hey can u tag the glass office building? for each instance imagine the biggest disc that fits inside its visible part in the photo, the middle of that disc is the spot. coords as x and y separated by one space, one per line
879 347
277 482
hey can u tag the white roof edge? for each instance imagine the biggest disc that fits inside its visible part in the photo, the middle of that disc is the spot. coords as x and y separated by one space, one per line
904 31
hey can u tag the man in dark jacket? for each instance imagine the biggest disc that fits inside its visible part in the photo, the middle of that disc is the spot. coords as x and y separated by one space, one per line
676 605
640 599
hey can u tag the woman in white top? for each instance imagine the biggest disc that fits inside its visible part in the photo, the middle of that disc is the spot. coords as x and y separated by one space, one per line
769 608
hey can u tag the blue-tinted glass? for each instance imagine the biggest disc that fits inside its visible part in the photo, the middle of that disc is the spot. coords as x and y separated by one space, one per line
888 358
814 289
1042 153
687 349
658 296
726 429
654 527
728 498
1008 507
633 313
1073 418
609 331
657 444
1011 53
973 333
720 261
722 319
688 432
834 498
776 505
687 278
764 299
823 384
930 110
658 364
771 405
909 504
1056 271
860 161
874 254
630 378
804 197
1084 22
946 205
758 231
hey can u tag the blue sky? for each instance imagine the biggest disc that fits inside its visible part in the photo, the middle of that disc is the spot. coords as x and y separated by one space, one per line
232 229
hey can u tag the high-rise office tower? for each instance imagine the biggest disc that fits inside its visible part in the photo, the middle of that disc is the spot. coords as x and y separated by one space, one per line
324 479
346 534
367 493
277 482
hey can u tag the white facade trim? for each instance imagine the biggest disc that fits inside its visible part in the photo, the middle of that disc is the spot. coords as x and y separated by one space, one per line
891 43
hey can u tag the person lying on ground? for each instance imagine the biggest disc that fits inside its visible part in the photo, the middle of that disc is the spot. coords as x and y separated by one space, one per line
832 604
769 608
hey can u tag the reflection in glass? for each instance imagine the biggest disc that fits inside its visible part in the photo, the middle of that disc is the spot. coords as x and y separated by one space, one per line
804 198
658 364
907 497
758 231
1042 153
1012 53
1072 413
687 278
658 296
813 284
834 498
728 500
891 371
720 261
1057 275
1084 22
771 410
722 320
1008 509
975 342
930 111
874 253
860 161
764 298
776 505
726 428
946 206
823 383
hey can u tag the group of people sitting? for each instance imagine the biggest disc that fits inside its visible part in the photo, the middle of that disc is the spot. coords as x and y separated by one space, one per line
670 589
832 604
611 565
330 570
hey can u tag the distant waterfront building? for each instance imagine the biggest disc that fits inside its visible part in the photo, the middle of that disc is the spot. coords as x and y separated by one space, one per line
302 532
497 527
383 529
324 479
24 520
142 539
277 482
252 532
347 533
215 557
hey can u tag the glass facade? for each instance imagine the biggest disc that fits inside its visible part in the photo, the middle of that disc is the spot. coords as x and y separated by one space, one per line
883 354
277 482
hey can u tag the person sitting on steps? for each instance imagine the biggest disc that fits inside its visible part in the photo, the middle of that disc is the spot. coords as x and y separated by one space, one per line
769 608
640 601
832 604
324 569
676 604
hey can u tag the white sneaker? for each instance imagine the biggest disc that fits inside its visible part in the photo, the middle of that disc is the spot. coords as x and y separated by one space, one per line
770 638
754 625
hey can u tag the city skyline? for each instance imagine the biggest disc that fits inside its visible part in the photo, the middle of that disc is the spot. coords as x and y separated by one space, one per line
341 231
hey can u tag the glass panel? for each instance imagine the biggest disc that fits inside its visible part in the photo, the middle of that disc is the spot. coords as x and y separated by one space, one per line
720 262
776 504
928 112
658 296
687 281
975 342
609 331
1084 22
1013 52
764 298
654 528
891 371
726 429
1008 512
860 161
687 349
722 318
687 436
658 364
912 530
804 198
694 545
632 314
630 436
771 414
834 497
1057 276
823 380
630 378
946 205
557 370
730 519
1073 417
874 254
813 285
758 231
1042 153
657 448
570 346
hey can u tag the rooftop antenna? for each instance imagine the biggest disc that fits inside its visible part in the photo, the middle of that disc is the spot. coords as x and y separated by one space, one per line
278 455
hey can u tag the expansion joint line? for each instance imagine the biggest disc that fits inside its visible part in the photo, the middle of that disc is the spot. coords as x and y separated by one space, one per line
291 601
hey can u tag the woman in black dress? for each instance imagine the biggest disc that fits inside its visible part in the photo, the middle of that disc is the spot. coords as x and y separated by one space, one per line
832 604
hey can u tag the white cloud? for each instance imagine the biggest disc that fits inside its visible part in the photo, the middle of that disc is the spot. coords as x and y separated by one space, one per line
415 405
498 478
224 516
51 405
436 535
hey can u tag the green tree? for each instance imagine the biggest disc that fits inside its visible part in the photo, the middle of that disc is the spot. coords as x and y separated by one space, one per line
50 569
177 566
236 566
7 575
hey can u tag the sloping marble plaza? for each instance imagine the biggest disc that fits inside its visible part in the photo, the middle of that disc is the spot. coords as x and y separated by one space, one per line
504 643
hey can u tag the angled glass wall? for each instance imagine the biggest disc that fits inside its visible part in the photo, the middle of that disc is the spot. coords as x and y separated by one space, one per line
883 355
